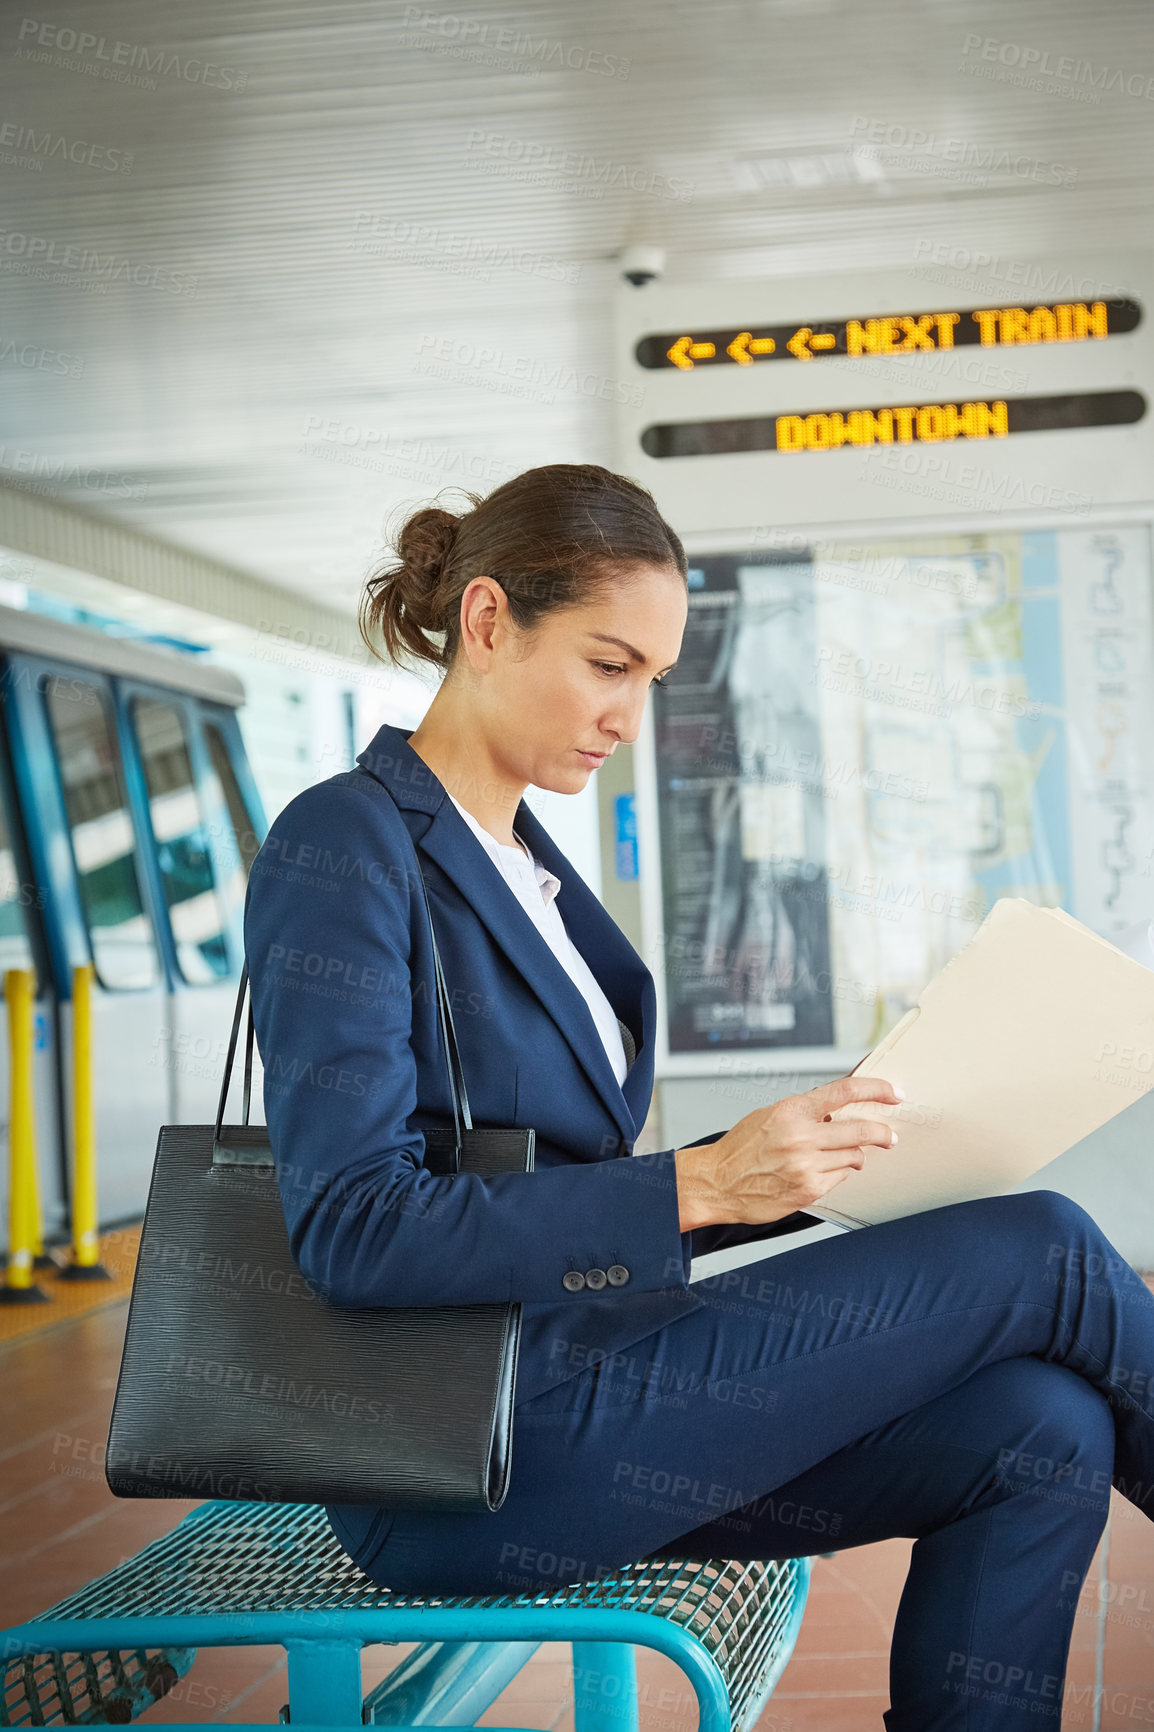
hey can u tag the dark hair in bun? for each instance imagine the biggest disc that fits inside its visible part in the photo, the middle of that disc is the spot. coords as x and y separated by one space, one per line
553 537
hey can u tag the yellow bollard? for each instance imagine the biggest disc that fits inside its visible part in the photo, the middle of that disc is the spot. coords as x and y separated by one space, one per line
40 1257
23 1189
85 1264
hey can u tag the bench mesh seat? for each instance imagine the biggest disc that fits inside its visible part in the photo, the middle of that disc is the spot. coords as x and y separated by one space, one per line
225 1560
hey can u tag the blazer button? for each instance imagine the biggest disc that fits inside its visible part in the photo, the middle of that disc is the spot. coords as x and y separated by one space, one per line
573 1280
617 1274
595 1278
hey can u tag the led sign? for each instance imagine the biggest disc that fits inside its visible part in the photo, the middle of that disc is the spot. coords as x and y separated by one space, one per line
892 334
892 424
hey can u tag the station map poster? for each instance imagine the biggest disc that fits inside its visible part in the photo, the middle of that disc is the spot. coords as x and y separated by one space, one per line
865 744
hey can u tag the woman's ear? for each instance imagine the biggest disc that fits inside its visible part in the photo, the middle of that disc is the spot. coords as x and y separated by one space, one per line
484 611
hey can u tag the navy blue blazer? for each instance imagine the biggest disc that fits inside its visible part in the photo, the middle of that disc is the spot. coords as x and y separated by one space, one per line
344 1004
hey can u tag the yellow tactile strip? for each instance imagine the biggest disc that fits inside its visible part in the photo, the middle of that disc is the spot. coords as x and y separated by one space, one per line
73 1298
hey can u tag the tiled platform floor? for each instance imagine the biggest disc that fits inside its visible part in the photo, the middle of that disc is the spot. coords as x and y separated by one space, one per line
60 1526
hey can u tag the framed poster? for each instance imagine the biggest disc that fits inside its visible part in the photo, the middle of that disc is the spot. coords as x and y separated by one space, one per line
861 748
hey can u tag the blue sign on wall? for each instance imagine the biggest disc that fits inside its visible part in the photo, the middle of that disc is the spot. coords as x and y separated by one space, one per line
625 814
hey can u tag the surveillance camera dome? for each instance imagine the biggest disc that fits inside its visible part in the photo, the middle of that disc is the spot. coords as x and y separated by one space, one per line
640 265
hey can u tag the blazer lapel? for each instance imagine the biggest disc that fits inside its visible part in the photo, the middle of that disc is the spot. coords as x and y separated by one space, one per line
447 839
616 966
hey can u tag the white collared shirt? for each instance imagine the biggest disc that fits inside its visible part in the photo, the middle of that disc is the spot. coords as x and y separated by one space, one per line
535 888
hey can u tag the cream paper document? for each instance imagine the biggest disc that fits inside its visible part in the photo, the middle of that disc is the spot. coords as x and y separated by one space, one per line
1036 1033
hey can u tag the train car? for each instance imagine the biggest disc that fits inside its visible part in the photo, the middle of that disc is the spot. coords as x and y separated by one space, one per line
128 819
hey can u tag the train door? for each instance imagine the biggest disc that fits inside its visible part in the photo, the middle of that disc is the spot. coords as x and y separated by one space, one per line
140 818
198 843
236 833
103 882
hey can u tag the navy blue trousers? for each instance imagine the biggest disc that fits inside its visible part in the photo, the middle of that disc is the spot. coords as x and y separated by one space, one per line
975 1378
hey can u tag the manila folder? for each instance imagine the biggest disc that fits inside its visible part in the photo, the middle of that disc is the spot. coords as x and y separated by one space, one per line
1036 1033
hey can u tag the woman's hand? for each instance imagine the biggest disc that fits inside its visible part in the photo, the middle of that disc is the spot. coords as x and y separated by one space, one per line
781 1158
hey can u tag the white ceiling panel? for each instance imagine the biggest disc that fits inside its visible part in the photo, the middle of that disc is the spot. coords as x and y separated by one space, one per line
271 270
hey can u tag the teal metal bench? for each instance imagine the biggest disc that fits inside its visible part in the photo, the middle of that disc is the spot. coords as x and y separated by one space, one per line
234 1575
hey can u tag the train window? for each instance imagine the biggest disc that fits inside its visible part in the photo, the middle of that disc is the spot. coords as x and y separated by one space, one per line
247 840
123 949
182 847
15 897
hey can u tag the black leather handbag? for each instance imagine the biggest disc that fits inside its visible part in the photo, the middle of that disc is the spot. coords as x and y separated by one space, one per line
238 1379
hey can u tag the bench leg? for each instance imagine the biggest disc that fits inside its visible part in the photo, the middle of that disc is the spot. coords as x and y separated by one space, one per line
604 1687
446 1683
324 1680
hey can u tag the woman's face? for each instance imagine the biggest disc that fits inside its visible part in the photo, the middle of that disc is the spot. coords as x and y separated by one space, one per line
577 683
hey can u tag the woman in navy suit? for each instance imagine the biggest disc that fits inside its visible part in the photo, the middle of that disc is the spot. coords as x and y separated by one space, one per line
956 1376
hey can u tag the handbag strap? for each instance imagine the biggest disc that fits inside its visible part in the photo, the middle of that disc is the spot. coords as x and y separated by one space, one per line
455 1069
453 1066
231 1054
